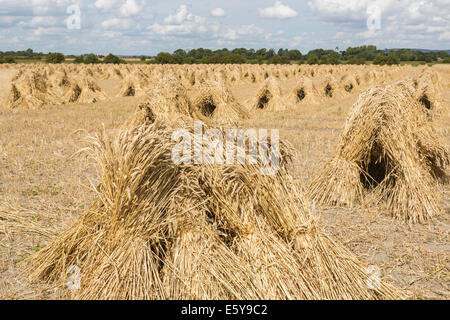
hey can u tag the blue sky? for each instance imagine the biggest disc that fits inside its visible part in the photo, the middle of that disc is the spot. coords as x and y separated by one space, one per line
134 27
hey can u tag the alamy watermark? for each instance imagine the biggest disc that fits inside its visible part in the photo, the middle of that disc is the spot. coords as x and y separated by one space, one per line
374 280
74 20
373 17
228 147
74 279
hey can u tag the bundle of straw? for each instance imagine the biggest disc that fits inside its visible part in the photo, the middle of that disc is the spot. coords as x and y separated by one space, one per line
304 92
216 103
269 97
390 150
163 231
31 90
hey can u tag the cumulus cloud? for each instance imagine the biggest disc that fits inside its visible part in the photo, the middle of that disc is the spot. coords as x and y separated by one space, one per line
41 21
33 7
296 41
129 8
8 22
445 36
340 10
186 28
278 11
245 30
270 35
33 14
400 20
180 16
409 11
113 34
105 4
117 23
218 12
41 31
182 22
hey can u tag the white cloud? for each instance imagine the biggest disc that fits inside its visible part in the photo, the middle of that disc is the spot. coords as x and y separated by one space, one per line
182 22
180 16
401 20
278 11
369 34
116 23
401 11
105 4
432 29
270 35
34 7
249 29
245 30
112 34
41 31
196 25
296 41
129 8
172 29
230 34
42 21
445 36
42 7
340 9
218 12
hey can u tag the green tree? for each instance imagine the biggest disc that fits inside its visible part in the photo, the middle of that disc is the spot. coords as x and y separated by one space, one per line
282 52
294 54
234 59
91 59
55 57
29 52
380 60
112 59
261 52
177 59
392 59
79 59
7 60
323 60
317 52
180 52
270 53
356 60
189 60
163 58
334 60
428 58
366 52
313 59
279 60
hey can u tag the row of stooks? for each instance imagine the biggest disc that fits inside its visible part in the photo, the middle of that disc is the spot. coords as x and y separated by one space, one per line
198 73
36 86
163 231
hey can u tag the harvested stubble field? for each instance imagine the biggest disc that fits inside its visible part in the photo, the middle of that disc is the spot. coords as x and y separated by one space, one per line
367 185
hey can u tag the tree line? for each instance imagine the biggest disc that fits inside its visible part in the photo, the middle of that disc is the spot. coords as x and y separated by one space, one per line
57 57
352 55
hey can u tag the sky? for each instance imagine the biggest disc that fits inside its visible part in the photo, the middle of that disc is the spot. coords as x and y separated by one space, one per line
146 27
